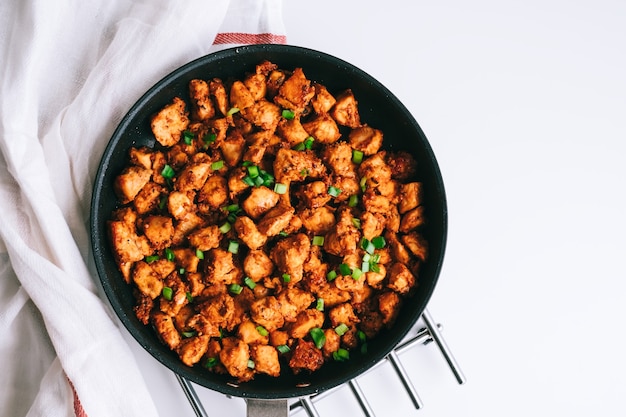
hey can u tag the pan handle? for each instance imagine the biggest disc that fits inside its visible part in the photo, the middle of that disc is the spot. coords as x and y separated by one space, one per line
267 408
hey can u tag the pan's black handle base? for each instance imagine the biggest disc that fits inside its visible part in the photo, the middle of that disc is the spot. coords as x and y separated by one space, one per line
267 408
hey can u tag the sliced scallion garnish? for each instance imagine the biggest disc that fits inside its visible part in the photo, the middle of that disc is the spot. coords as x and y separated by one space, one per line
318 336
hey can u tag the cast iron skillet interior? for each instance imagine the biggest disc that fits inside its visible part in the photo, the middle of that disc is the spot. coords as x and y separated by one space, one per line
378 108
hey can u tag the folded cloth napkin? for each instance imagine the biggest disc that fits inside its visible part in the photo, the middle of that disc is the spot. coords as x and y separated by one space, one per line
70 71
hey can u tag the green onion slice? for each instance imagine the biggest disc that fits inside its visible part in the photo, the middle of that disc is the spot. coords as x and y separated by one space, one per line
167 172
283 349
363 184
280 188
199 254
345 269
353 200
262 331
249 282
318 240
379 242
288 114
235 289
341 355
319 305
356 222
357 156
334 191
189 334
167 293
232 111
211 362
331 275
217 165
189 297
341 329
152 258
188 137
233 247
253 171
169 254
318 336
356 273
251 364
225 228
286 278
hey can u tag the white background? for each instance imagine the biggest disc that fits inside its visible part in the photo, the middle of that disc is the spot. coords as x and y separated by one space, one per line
524 103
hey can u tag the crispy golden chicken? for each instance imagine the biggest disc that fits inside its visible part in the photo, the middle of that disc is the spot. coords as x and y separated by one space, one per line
268 230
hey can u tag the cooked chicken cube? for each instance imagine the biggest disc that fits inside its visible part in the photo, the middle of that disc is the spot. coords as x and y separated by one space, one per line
163 267
177 294
265 359
193 177
141 156
411 196
375 170
128 184
234 356
290 254
257 265
318 221
236 185
343 238
148 198
221 268
412 219
159 230
375 278
366 139
192 349
266 312
398 251
168 124
205 238
305 321
218 310
263 114
306 357
417 244
249 332
143 307
401 279
214 192
343 314
292 131
195 282
389 304
256 85
402 164
290 164
276 220
127 245
295 92
240 96
185 225
180 203
332 344
293 301
323 128
322 101
347 185
260 201
232 148
167 332
345 112
201 105
147 281
338 157
372 224
249 233
314 194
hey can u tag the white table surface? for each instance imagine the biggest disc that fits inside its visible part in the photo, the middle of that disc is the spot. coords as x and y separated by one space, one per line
524 103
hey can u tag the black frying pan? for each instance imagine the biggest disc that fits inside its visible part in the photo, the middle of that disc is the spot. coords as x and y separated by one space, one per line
378 107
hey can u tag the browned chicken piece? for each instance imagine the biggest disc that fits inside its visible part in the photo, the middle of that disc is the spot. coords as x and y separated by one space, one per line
256 85
163 267
349 284
127 245
167 332
376 204
260 201
293 301
305 321
318 221
186 258
322 101
235 182
193 176
218 91
401 280
402 164
178 297
147 281
266 312
275 79
143 307
257 265
221 268
192 349
412 219
185 225
232 149
248 332
290 254
295 92
276 220
343 238
376 170
279 337
393 220
371 323
314 194
201 104
323 128
149 198
218 310
289 166
255 153
411 196
332 344
195 282
389 304
128 184
180 203
343 314
366 139
347 185
338 157
306 357
375 279
263 114
240 96
204 325
265 360
141 156
292 131
372 224
176 157
205 238
159 230
346 111
397 250
213 193
249 233
168 124
234 356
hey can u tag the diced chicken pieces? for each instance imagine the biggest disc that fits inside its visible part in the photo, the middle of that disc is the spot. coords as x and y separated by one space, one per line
163 267
366 139
306 357
290 254
276 220
141 156
234 356
401 280
260 201
266 312
149 198
232 149
291 131
343 314
402 164
295 92
218 310
164 325
249 233
347 185
375 170
263 114
201 105
178 297
257 265
221 268
206 238
240 96
146 280
397 250
345 112
338 157
169 123
332 344
318 221
293 301
256 85
389 304
289 166
372 224
417 244
127 245
235 182
128 184
322 101
375 279
412 219
193 177
187 223
192 349
214 192
305 321
159 230
180 203
411 196
195 282
143 307
265 359
314 194
323 128
342 240
248 332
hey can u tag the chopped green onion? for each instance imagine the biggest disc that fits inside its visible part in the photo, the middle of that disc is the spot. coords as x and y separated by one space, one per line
258 181
288 114
282 233
235 289
253 171
365 266
262 330
318 336
334 191
217 165
168 172
199 254
188 137
209 138
248 181
163 202
249 282
181 271
299 147
367 257
308 142
232 111
342 329
233 208
357 156
189 334
283 349
341 355
353 200
152 258
318 240
268 179
319 305
280 188
167 293
169 254
361 335
331 275
286 278
344 269
250 364
379 242
232 218
363 184
233 247
225 228
189 297
356 273
211 362
356 222
375 268
367 246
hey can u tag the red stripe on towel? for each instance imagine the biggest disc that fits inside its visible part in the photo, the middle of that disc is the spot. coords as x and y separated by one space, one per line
248 38
78 408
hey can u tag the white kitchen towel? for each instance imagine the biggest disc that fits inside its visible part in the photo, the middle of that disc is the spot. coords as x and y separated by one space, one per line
69 71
